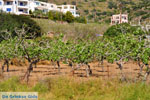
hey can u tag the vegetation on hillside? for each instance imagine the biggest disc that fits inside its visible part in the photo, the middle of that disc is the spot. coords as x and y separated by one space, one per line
58 16
101 10
72 30
124 28
11 23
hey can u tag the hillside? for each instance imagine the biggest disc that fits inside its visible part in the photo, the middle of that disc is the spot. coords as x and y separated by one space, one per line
72 30
101 10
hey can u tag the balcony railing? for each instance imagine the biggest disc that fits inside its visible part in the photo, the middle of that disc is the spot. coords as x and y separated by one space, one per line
23 5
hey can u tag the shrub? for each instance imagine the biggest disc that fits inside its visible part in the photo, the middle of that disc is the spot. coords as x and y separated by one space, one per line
123 29
39 14
101 0
10 22
58 16
112 5
30 12
69 17
81 19
50 15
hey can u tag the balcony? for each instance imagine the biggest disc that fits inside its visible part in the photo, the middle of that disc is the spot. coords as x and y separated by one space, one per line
23 0
22 5
22 11
8 0
8 3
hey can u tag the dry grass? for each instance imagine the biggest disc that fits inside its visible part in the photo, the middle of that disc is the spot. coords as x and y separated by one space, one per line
63 88
44 62
17 62
73 30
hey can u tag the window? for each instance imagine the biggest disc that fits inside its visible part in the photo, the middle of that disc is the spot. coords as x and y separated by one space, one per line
37 3
8 9
72 7
65 7
20 10
59 7
0 3
36 9
8 3
117 17
45 10
21 3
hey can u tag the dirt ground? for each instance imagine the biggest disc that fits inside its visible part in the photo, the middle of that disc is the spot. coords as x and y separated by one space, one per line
46 70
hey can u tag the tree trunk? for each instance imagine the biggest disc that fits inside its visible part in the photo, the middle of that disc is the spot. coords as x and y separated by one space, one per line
30 69
71 65
88 71
35 62
58 64
120 65
102 63
141 69
108 71
53 63
73 69
147 73
6 62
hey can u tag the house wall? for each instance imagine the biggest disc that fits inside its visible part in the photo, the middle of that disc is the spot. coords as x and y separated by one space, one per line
23 7
118 19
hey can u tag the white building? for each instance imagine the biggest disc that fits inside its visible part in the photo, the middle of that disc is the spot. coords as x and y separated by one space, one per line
24 6
65 8
118 19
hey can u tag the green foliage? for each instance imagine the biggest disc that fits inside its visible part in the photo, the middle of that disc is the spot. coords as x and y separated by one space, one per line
81 20
112 5
30 12
50 15
120 48
101 0
11 22
128 6
69 17
58 16
39 14
123 28
7 49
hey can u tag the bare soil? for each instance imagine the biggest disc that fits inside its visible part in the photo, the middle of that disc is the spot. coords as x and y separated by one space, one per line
45 70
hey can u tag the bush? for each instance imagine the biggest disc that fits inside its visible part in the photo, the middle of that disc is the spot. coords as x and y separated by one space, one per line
81 20
50 15
101 0
56 16
112 5
39 14
69 17
123 29
10 22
